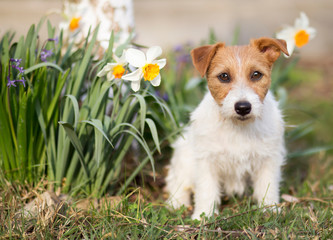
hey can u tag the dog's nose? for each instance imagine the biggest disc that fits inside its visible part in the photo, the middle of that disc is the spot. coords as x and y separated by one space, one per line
243 108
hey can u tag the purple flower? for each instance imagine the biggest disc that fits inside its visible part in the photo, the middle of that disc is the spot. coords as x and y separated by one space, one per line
55 40
20 69
22 80
45 54
178 48
165 96
10 82
15 64
184 58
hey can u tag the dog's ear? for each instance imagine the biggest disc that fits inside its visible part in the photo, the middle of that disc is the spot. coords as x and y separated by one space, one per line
202 57
270 47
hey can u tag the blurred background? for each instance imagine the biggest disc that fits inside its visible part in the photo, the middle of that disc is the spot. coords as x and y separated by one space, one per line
171 22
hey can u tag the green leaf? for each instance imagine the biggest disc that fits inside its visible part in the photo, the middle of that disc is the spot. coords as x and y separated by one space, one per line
22 137
77 145
19 48
143 144
76 109
164 108
193 83
300 131
4 53
98 125
143 111
59 87
40 65
309 151
109 53
84 66
154 134
6 142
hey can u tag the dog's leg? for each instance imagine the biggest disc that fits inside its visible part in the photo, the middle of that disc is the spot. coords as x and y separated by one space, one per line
179 189
207 193
266 183
180 175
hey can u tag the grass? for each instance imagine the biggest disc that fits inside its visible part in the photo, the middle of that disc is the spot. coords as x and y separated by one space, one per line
136 218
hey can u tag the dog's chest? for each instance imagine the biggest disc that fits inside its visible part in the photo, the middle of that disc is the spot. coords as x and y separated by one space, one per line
226 144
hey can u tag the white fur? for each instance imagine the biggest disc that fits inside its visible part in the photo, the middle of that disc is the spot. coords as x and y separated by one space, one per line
219 154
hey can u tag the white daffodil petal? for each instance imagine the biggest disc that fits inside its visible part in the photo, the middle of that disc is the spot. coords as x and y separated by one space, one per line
64 25
110 66
161 63
135 57
156 81
116 58
290 47
107 68
101 73
312 32
134 76
302 22
121 59
285 33
135 85
110 76
153 53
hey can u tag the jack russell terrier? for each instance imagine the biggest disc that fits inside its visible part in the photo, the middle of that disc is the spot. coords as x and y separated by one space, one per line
236 135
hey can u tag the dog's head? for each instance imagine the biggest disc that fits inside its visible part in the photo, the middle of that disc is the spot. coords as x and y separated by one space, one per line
239 77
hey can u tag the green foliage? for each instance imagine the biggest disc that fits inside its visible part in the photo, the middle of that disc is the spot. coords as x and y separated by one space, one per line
183 88
58 125
26 113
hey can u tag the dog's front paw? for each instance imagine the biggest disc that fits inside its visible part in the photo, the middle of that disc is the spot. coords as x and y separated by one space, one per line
173 204
196 216
272 209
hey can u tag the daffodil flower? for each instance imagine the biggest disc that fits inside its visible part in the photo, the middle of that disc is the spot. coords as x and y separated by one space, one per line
114 70
297 35
76 16
74 23
147 67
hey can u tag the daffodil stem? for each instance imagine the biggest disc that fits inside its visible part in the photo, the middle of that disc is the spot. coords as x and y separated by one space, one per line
116 100
145 91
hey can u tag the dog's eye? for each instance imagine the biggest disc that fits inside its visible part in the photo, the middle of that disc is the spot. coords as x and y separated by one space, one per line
224 77
255 76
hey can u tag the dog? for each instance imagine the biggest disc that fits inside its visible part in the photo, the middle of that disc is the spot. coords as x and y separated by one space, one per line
236 134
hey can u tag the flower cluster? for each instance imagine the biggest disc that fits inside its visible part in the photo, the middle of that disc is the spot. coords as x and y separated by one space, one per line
117 16
146 67
44 54
15 64
297 35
